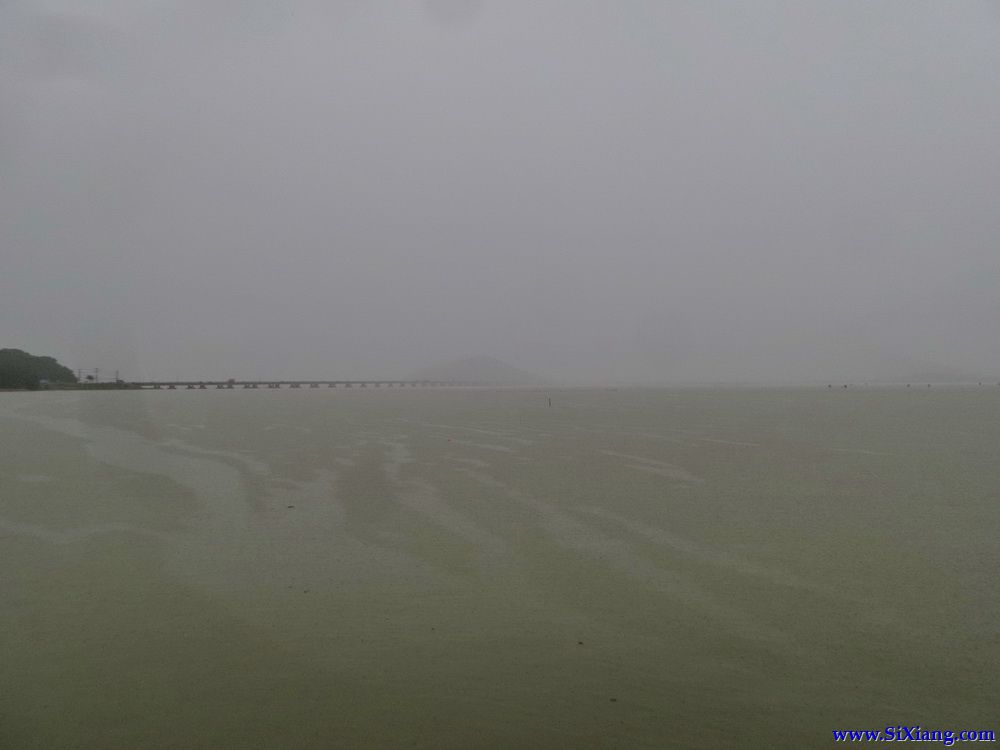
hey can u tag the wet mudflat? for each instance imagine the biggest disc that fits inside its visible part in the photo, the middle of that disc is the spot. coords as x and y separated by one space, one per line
699 567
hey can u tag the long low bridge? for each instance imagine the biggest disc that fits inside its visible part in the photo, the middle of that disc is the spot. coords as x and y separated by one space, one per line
230 384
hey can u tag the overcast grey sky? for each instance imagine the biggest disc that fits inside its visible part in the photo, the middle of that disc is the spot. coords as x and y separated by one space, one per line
641 190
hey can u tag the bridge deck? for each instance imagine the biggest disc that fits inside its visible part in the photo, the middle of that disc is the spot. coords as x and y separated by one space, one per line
224 384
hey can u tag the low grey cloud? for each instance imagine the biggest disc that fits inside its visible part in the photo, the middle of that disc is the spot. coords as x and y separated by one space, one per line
640 192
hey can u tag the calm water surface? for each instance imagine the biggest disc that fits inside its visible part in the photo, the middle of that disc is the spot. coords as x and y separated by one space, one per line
472 568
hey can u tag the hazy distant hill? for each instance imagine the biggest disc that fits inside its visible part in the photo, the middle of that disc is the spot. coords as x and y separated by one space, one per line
480 370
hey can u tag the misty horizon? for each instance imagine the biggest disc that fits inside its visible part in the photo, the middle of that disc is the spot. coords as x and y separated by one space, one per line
651 193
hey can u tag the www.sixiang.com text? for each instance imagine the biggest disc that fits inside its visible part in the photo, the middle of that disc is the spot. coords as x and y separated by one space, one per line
902 733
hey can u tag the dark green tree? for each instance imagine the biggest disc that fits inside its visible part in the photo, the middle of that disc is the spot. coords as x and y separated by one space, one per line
18 369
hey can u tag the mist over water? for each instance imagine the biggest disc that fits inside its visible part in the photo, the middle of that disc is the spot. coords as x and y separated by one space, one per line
794 203
474 568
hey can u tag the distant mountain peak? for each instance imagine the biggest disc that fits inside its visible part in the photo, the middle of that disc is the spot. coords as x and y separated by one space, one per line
480 369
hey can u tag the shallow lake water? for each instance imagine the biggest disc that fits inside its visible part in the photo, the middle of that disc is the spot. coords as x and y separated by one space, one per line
457 568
